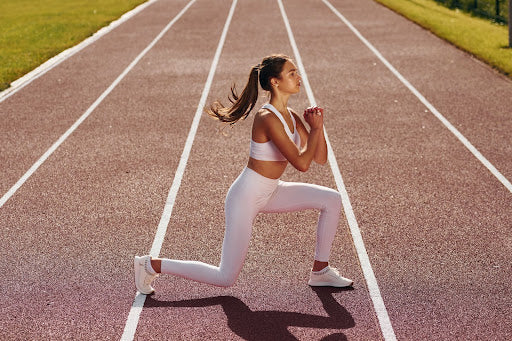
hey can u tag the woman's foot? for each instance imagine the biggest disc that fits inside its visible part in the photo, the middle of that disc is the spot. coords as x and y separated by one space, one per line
328 277
144 274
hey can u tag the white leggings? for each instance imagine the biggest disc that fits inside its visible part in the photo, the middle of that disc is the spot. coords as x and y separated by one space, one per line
250 194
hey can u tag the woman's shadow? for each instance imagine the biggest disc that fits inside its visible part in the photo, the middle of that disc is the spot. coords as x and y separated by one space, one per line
271 324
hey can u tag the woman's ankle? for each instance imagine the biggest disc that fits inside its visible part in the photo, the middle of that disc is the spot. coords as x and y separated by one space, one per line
156 264
317 265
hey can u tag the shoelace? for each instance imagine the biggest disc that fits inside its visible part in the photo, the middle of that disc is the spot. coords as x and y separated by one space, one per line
335 272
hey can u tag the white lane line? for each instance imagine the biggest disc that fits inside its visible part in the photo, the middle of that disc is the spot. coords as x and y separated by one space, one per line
371 280
82 118
432 109
20 83
138 303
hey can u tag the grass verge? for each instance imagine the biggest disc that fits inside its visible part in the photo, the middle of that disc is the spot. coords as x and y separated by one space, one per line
486 40
34 31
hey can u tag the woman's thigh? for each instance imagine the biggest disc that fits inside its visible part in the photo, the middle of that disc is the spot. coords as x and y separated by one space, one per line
296 196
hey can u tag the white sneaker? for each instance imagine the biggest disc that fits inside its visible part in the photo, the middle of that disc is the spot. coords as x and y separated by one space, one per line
143 277
328 277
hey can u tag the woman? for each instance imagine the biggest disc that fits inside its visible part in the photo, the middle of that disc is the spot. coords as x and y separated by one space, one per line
278 138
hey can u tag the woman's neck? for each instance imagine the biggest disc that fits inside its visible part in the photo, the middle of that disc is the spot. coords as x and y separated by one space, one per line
279 101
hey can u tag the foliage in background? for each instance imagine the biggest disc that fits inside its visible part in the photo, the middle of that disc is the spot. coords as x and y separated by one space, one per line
496 10
32 32
486 40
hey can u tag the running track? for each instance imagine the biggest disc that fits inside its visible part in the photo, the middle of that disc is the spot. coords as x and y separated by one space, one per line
435 220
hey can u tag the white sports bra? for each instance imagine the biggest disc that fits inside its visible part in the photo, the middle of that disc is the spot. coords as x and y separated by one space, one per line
267 151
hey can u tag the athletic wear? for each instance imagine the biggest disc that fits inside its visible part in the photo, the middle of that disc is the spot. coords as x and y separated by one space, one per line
328 277
144 274
250 194
267 151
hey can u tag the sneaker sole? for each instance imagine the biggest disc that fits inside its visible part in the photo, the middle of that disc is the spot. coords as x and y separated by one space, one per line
327 284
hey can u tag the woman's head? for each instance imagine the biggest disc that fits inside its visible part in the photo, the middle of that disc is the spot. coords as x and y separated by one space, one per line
271 67
286 80
269 74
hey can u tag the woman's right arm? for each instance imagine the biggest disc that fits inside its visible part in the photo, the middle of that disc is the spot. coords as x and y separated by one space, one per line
301 160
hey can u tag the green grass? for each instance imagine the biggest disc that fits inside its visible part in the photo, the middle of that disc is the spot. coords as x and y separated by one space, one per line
484 39
33 31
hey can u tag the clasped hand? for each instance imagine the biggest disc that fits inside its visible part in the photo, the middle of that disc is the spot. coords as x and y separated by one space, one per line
314 116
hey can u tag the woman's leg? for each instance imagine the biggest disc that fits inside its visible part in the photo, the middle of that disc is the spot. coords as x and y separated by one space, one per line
244 200
234 250
300 196
291 196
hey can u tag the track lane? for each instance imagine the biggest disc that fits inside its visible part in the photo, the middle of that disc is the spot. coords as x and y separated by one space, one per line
89 110
74 227
371 281
33 119
139 300
429 105
472 96
429 212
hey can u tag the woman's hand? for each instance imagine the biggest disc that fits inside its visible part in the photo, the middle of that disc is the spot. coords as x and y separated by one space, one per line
314 116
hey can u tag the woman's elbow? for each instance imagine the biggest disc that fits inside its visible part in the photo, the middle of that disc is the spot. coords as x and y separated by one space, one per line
321 161
299 165
302 166
302 163
303 169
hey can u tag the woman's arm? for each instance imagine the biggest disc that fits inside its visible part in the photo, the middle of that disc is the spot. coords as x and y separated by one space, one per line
320 156
300 159
321 150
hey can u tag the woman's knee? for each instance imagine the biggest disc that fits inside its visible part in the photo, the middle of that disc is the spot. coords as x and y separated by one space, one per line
227 283
333 200
228 280
337 200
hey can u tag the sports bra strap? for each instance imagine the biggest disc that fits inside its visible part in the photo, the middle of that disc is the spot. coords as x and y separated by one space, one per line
278 114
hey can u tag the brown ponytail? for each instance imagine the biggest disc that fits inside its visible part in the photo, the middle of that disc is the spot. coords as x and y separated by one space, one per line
242 105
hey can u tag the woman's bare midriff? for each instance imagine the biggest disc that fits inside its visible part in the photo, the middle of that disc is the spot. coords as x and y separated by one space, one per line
269 169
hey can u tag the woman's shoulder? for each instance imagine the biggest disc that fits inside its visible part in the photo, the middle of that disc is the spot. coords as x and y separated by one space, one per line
265 119
265 115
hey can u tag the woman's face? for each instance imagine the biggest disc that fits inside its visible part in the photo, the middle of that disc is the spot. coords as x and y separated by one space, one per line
289 80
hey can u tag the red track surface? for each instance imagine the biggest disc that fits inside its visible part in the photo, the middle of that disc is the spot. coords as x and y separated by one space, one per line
435 222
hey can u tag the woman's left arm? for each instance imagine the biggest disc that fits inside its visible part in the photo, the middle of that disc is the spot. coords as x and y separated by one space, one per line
321 150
